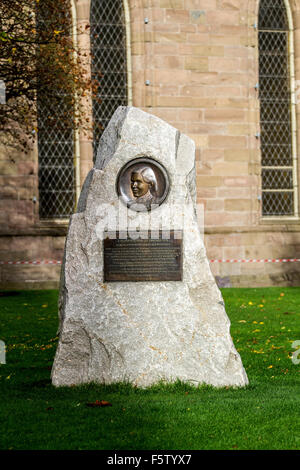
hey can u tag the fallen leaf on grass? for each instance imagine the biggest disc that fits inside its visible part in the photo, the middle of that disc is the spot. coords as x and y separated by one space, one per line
99 403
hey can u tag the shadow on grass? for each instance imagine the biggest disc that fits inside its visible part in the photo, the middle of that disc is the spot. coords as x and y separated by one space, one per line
12 293
177 387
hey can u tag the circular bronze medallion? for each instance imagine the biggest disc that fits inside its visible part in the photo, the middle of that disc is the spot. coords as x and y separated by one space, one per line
143 184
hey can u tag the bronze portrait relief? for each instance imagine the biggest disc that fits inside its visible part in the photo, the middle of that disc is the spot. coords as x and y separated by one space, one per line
143 184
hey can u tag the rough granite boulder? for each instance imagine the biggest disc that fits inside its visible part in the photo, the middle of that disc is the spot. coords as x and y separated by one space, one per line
141 332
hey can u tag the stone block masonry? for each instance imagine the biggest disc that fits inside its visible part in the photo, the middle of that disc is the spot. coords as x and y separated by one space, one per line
201 60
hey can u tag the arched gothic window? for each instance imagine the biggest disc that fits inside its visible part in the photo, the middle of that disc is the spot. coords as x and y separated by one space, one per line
57 182
109 40
277 111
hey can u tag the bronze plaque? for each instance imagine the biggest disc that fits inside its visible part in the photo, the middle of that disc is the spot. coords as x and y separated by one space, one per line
144 259
143 184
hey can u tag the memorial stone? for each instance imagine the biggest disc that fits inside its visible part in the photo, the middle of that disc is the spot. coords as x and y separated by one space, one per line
138 302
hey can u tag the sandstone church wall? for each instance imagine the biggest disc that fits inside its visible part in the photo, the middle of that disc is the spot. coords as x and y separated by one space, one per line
194 63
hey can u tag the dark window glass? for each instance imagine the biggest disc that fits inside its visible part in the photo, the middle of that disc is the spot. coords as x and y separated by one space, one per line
109 64
57 191
275 110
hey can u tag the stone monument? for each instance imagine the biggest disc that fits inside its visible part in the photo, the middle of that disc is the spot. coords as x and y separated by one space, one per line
138 302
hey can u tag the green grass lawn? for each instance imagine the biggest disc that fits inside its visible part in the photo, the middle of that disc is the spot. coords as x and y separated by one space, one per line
264 415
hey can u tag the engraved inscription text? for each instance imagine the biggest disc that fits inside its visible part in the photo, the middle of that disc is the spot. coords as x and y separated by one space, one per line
143 259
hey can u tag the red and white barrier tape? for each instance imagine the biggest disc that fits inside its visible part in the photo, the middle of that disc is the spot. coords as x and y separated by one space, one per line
290 260
283 260
33 262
